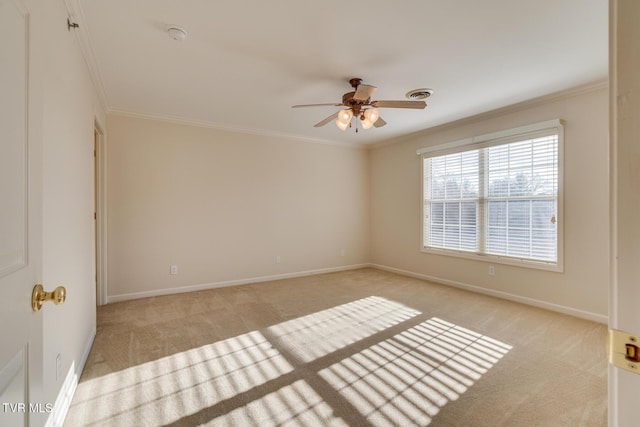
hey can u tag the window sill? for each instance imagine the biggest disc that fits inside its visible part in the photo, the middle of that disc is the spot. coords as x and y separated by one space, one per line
497 259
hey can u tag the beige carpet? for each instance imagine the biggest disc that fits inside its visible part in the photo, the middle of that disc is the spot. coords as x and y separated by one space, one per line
357 348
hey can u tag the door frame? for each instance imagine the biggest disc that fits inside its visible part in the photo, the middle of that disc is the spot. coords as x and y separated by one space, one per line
624 137
101 212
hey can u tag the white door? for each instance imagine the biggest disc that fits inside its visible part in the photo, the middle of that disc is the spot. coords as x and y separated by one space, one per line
20 217
624 74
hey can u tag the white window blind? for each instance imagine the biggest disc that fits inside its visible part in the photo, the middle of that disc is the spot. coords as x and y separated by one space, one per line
452 201
496 198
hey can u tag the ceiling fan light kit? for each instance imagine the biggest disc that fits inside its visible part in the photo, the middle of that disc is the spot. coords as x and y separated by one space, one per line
369 117
372 115
360 105
344 116
342 125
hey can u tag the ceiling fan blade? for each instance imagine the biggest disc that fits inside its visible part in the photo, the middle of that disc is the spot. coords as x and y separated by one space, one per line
364 92
327 120
379 123
317 105
399 104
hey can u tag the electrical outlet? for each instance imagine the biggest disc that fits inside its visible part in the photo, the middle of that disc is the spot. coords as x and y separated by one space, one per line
342 252
174 269
58 366
278 259
492 270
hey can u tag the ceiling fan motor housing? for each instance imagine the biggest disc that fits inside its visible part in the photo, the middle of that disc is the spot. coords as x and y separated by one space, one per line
355 82
355 104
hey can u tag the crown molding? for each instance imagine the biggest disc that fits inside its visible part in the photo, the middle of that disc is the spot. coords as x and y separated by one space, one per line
77 15
230 128
520 106
75 11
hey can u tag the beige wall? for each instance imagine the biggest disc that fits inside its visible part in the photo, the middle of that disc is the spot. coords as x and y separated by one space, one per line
223 205
70 107
582 287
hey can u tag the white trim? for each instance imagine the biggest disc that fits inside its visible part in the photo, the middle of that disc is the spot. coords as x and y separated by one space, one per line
226 283
231 128
502 137
76 12
614 385
498 259
499 112
499 135
68 389
595 317
88 54
101 213
63 401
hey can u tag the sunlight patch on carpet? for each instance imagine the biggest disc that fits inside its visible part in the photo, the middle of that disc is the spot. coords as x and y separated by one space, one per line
408 378
166 389
295 404
318 334
370 361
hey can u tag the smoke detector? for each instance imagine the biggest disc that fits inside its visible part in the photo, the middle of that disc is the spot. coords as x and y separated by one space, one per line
418 94
177 33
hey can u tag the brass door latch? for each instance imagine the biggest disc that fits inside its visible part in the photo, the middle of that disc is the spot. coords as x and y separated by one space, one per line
624 350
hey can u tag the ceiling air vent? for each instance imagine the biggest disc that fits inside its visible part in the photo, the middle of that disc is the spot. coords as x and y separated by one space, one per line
418 94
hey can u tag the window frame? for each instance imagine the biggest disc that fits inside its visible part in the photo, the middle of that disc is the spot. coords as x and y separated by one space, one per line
503 137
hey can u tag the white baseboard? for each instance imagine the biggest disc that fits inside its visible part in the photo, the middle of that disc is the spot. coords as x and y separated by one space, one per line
472 288
499 294
68 389
65 396
223 284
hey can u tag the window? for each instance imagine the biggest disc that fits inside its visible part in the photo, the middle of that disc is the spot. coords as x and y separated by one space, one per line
496 197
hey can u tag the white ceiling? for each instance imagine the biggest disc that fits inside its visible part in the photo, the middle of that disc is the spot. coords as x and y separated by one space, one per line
246 62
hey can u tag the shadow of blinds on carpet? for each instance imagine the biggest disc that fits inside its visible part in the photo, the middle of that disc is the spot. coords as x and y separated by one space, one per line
372 361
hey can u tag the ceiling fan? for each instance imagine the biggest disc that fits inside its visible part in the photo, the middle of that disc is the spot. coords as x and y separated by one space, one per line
358 104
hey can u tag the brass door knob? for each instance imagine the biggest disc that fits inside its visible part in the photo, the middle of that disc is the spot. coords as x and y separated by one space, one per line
39 296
